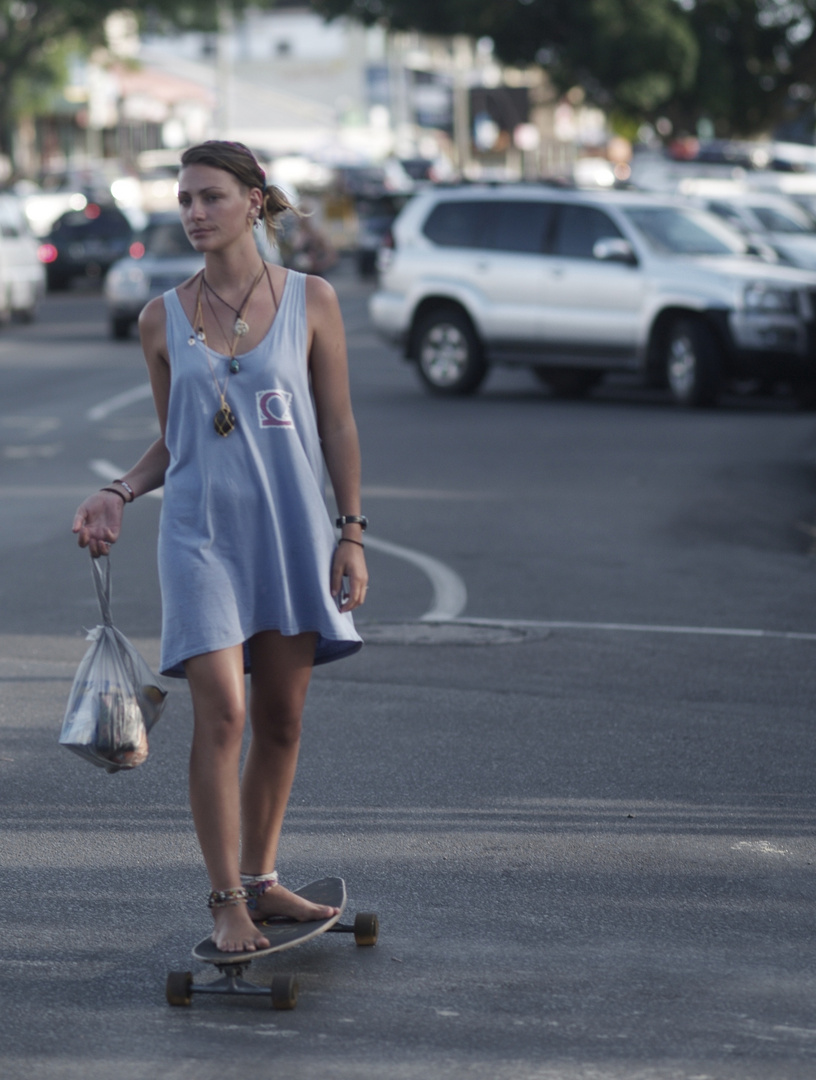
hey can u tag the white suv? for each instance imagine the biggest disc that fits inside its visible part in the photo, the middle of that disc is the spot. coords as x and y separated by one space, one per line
576 284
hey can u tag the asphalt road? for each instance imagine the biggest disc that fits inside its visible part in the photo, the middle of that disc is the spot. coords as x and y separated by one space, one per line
582 803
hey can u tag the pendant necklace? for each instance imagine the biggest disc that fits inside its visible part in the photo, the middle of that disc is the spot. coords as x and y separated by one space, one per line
224 419
240 326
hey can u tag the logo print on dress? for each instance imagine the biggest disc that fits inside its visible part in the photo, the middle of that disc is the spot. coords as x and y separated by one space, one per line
273 408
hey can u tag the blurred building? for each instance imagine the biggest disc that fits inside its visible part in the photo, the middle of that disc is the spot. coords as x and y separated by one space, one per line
288 83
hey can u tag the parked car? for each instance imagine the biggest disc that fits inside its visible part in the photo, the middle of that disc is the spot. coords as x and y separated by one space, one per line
374 220
160 258
22 278
769 219
84 244
574 285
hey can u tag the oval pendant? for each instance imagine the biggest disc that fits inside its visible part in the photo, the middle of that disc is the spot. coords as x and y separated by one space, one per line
235 367
224 421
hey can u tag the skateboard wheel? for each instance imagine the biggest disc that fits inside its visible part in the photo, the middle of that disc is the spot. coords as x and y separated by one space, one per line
179 988
284 991
366 928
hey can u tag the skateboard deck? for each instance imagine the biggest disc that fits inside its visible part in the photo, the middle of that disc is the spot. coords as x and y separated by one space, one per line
282 934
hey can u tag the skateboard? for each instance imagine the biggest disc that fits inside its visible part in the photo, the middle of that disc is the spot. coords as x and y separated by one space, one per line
283 934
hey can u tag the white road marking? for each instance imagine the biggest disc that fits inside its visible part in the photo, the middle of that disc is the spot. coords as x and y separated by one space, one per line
638 628
449 592
32 450
106 470
46 491
433 494
120 401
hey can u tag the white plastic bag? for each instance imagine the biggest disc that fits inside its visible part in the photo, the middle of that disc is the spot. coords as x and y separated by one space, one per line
116 699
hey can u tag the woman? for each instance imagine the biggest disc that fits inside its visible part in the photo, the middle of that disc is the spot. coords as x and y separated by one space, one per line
248 368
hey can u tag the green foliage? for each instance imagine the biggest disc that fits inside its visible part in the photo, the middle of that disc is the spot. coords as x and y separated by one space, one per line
34 37
745 64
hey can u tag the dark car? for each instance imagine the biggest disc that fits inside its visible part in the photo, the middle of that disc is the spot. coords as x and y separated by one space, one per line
375 218
84 244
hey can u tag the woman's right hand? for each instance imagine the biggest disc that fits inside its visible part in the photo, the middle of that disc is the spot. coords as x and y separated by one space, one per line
98 522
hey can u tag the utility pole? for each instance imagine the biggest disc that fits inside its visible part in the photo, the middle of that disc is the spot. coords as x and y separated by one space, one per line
462 67
223 69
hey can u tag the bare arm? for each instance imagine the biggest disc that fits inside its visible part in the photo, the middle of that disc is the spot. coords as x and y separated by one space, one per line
328 365
98 520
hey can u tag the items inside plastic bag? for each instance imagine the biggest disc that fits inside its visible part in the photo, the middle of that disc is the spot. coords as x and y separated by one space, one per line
116 699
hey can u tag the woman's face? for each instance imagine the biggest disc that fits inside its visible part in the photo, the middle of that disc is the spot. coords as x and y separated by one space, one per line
216 209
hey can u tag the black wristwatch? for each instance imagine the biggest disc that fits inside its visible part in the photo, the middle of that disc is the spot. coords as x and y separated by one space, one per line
352 519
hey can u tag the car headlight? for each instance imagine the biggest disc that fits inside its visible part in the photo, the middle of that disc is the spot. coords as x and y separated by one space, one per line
761 298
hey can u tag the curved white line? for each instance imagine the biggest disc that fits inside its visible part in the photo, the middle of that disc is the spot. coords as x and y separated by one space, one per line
120 401
450 594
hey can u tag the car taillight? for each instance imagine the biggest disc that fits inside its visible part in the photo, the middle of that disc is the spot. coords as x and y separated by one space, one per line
47 253
136 249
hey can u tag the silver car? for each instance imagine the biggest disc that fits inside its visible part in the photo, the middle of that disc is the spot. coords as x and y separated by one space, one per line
575 284
769 219
160 258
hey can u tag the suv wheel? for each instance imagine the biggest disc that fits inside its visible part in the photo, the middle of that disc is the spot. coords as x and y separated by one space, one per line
448 352
692 362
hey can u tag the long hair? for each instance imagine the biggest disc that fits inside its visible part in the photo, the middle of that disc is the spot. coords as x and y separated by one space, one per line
235 158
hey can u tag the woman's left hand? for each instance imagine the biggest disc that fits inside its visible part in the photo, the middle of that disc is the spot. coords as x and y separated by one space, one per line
349 562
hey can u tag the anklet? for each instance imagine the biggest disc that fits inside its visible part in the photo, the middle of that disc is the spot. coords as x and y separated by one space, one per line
256 885
227 898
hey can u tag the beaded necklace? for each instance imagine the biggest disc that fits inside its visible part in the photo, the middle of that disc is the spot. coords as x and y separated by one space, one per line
224 419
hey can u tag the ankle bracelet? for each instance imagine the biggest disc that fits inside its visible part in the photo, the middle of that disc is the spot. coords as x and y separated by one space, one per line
227 898
256 885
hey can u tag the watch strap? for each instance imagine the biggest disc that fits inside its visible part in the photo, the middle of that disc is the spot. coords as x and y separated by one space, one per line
352 519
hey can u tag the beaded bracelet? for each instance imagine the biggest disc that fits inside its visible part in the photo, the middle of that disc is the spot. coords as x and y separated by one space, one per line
348 540
227 898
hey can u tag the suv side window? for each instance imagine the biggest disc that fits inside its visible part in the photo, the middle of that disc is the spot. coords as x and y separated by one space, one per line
578 228
459 224
522 225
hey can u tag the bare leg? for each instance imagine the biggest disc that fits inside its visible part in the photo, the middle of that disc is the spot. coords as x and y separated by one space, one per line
281 670
217 686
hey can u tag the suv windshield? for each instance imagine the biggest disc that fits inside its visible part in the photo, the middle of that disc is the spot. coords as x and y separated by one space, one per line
668 230
784 221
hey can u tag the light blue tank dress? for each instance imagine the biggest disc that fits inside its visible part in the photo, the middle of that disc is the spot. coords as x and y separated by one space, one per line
245 539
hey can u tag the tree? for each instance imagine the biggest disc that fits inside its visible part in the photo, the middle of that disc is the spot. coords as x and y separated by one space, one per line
757 61
34 36
746 65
